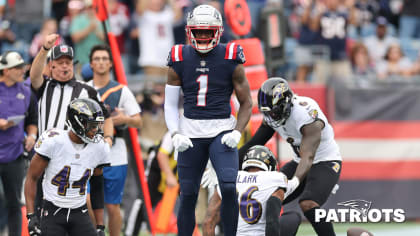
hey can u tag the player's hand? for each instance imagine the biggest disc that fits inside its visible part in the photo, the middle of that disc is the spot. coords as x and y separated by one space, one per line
209 179
232 139
181 142
291 186
100 230
34 227
50 40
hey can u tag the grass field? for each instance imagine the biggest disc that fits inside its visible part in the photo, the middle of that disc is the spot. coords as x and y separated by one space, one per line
378 229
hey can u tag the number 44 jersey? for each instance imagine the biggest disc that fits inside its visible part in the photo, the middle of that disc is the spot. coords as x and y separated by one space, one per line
69 168
254 189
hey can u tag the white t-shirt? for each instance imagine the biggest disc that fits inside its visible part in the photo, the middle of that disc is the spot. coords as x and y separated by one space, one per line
305 111
156 37
254 189
69 168
377 48
130 107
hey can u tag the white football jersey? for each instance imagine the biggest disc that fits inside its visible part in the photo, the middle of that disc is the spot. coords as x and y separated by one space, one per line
69 170
254 189
305 111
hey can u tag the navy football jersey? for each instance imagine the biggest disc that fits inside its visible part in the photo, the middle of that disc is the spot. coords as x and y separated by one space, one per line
206 79
333 33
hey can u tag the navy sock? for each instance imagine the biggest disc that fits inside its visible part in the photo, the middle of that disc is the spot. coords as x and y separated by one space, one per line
186 215
229 209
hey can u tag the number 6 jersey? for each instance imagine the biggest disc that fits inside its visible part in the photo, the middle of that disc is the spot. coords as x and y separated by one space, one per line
69 168
254 189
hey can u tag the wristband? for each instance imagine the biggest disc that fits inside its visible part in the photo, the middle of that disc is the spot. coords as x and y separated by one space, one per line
45 48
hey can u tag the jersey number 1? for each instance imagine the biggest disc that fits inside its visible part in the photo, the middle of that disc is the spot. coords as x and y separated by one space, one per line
202 90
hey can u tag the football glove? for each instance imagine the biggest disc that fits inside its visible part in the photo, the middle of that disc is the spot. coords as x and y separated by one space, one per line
181 142
232 139
209 179
34 227
292 185
100 230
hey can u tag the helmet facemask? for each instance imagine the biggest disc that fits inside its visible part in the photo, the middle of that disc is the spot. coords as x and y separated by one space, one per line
85 118
204 28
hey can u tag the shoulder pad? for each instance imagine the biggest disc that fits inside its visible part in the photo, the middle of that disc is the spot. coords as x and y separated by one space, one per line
176 52
234 52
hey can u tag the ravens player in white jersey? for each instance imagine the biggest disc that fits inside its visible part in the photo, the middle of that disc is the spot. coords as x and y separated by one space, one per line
69 159
261 190
316 166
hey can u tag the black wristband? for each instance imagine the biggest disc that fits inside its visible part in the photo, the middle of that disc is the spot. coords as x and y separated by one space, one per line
100 227
45 48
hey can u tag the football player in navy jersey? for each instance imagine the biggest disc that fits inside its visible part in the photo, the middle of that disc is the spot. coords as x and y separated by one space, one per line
207 73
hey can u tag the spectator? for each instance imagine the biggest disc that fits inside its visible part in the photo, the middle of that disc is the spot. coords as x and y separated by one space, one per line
360 60
367 11
410 19
394 63
75 7
86 32
331 22
379 43
119 21
48 27
18 114
28 16
307 37
156 35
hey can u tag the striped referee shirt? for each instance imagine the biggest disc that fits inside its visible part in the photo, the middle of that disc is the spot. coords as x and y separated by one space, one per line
54 97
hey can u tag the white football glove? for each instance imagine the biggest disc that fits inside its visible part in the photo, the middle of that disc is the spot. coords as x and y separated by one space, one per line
232 139
292 185
209 179
181 142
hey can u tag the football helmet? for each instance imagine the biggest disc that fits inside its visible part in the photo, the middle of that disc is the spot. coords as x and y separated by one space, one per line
275 101
204 28
85 115
261 157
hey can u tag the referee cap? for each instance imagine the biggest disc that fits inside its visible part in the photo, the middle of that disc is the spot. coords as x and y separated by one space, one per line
62 50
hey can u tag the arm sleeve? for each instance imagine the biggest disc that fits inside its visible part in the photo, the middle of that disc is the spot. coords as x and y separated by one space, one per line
32 115
97 192
171 107
261 137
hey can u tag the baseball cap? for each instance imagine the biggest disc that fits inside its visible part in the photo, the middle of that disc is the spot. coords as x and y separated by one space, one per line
11 59
60 51
381 21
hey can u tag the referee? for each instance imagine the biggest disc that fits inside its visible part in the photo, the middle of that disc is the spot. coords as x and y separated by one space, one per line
54 93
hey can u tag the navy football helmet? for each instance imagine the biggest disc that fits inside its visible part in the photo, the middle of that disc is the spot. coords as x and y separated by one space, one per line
261 157
85 115
275 101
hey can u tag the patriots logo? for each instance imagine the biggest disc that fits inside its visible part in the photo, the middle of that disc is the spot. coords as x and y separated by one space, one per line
362 206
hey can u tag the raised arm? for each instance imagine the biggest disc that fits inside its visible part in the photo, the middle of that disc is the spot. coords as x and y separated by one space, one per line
39 61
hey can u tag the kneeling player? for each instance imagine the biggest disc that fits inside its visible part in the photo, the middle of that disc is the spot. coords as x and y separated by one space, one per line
69 158
261 190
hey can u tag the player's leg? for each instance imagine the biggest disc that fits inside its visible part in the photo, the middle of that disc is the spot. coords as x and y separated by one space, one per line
225 162
321 180
289 223
191 165
114 179
53 220
79 222
12 178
